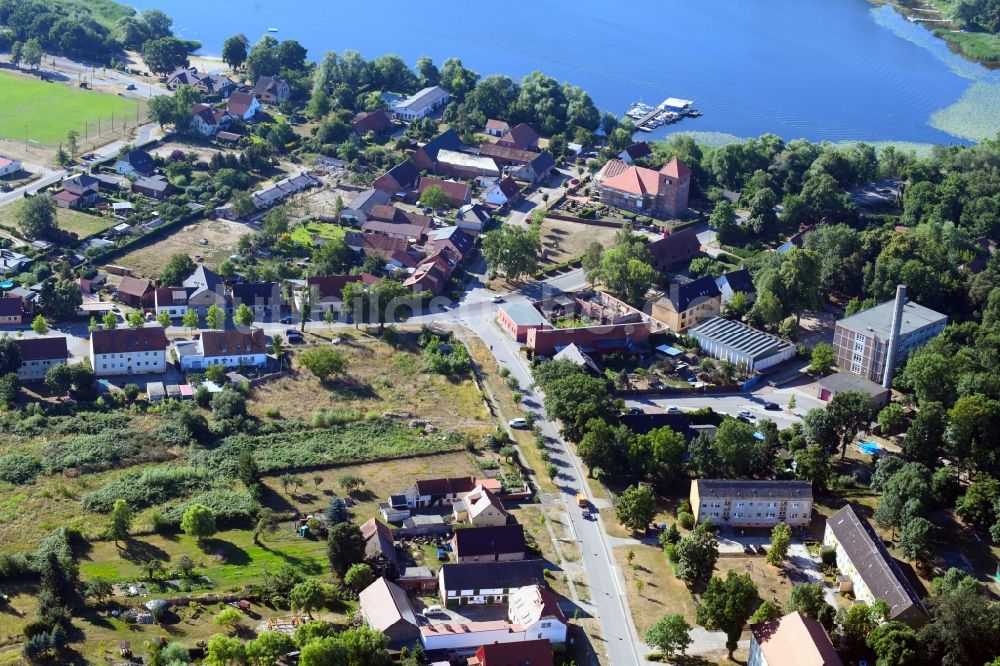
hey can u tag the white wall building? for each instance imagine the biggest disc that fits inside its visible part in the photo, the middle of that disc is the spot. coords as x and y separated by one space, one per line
422 104
125 351
230 349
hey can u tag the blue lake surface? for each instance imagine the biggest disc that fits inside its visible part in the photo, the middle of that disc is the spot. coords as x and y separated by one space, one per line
834 70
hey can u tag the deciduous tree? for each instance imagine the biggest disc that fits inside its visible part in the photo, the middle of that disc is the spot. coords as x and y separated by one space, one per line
727 605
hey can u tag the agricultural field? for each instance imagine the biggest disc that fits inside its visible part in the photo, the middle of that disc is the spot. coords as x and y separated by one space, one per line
210 240
47 111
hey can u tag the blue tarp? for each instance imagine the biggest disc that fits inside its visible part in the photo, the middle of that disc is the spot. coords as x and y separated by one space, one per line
669 351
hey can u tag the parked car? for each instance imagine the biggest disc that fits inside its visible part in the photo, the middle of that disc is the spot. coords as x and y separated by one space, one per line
634 411
432 610
746 414
497 299
771 406
518 423
673 409
285 320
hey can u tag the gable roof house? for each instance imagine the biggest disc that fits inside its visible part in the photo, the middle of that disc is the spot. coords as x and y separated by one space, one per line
504 192
207 120
472 218
172 300
208 84
272 90
230 349
674 249
377 122
662 193
206 289
84 187
380 548
496 128
399 179
327 292
521 136
428 493
873 572
11 310
360 207
242 105
134 292
421 104
38 355
264 298
430 275
536 652
500 543
792 640
409 232
453 241
154 187
126 351
736 281
463 165
426 156
393 215
12 262
135 163
688 304
458 193
486 582
635 152
537 610
386 608
480 508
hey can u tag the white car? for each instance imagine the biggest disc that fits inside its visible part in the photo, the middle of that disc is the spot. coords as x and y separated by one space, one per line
432 610
672 409
497 299
518 423
745 413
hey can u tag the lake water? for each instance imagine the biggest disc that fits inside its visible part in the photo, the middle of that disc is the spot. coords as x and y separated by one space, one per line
836 70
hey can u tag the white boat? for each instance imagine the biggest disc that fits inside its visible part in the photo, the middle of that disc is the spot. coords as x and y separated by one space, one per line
272 30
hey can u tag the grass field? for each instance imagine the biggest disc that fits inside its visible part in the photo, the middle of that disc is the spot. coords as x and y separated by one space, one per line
221 237
47 111
303 233
79 223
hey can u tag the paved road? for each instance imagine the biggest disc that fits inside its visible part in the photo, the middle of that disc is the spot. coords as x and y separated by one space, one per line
103 78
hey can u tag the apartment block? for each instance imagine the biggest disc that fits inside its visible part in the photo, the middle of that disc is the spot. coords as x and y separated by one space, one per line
747 503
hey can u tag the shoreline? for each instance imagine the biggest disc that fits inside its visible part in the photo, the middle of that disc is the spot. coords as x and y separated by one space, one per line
942 31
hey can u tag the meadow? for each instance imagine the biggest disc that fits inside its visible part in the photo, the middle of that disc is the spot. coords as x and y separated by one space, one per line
47 111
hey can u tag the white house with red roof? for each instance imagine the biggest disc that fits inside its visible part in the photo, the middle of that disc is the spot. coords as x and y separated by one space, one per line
502 193
8 166
662 193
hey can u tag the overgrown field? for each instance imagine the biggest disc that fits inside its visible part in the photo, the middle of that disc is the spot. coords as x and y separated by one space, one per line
47 111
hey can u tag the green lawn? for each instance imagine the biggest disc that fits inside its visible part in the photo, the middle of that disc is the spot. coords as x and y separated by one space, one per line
49 110
303 233
229 559
81 224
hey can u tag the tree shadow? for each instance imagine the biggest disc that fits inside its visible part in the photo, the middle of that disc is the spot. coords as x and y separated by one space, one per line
229 552
137 551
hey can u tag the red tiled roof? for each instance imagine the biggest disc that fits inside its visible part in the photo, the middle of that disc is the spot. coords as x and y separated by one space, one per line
38 349
328 286
497 125
794 640
134 286
509 187
536 653
239 103
389 213
445 486
67 197
457 192
514 155
676 169
233 343
121 340
520 136
634 180
376 121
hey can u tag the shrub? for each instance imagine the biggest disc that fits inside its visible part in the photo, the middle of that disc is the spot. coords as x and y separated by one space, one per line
686 520
828 556
19 468
90 452
230 508
148 488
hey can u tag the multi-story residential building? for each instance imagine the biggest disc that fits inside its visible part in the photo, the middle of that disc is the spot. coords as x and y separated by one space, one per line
662 193
486 583
230 349
792 640
748 503
126 351
502 543
874 574
38 355
861 341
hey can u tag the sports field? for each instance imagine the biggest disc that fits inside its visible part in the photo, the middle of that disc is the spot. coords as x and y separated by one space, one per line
49 110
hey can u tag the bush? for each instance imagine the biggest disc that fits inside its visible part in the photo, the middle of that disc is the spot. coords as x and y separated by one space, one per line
670 550
149 488
828 557
90 452
19 468
230 508
686 520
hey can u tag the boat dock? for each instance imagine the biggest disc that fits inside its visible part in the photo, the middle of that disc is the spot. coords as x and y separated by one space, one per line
671 110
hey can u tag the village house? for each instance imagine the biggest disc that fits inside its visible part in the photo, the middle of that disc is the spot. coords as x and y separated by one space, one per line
463 165
750 503
486 583
205 290
154 187
12 262
11 310
134 292
9 166
792 640
408 232
458 193
635 152
393 215
506 191
378 123
873 572
272 90
395 252
421 104
436 493
674 249
380 548
230 349
207 84
501 543
479 508
426 156
80 191
536 609
172 300
264 298
662 193
126 351
360 207
496 128
686 305
431 275
521 137
472 218
243 106
736 281
386 608
452 241
38 355
523 653
524 165
327 293
400 179
207 120
135 163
